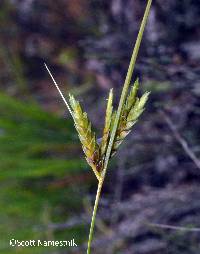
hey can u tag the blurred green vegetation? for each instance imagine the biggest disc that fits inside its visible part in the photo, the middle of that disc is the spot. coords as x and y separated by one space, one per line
36 149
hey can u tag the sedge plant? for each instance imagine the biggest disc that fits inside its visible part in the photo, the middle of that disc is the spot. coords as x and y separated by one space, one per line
118 123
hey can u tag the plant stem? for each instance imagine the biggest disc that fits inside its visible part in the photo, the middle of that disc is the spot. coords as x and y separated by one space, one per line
100 184
121 103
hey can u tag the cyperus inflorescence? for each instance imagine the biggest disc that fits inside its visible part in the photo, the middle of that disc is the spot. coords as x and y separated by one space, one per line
94 152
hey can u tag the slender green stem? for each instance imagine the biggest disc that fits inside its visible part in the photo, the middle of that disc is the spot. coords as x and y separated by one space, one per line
100 184
121 103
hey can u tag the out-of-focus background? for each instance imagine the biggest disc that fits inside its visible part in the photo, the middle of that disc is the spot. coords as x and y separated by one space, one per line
150 201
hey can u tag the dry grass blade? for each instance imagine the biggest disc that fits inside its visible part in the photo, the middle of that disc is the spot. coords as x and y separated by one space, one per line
164 226
86 135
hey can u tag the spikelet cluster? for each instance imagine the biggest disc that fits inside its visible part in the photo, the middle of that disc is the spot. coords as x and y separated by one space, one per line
95 152
131 111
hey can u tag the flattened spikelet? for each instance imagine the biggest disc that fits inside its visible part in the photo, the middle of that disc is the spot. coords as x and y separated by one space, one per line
132 96
106 131
86 135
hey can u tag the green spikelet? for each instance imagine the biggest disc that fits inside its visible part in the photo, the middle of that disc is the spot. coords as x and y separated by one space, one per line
86 135
137 110
132 109
106 131
132 96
